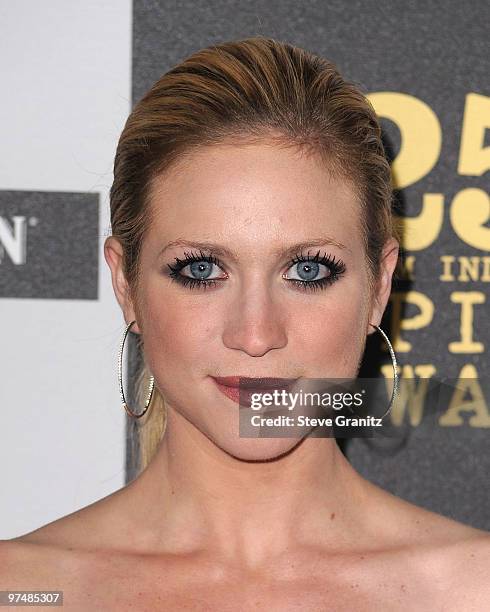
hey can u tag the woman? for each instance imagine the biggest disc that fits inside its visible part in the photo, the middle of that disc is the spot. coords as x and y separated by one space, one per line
252 237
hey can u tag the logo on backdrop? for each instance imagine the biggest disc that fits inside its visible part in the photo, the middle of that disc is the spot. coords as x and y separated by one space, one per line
49 245
440 329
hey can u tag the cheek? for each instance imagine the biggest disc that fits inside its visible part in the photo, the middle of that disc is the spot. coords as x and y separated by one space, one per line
333 340
174 336
173 350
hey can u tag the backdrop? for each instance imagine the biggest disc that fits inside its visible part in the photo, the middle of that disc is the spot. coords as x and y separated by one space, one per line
66 75
69 89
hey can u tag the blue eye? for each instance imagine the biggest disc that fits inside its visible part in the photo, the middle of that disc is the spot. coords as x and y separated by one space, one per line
308 268
202 267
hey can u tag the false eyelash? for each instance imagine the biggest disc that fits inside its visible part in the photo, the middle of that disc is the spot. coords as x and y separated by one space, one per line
337 269
336 266
192 257
187 281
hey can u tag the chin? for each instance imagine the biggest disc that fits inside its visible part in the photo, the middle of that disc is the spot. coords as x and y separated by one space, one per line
258 449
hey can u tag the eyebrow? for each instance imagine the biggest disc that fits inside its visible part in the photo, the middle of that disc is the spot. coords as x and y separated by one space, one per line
223 251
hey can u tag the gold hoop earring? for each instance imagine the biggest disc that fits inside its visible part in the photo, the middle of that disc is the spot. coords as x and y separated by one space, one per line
121 389
395 372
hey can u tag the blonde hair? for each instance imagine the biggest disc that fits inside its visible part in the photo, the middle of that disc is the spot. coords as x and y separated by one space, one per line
258 89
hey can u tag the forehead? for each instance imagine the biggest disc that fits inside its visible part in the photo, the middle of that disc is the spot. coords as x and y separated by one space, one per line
261 190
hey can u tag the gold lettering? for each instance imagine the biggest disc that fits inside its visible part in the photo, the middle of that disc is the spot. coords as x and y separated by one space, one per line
474 158
411 396
421 134
469 212
468 268
467 344
424 318
467 382
447 261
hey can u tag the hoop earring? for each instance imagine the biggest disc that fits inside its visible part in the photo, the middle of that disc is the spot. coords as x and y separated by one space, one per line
121 389
395 372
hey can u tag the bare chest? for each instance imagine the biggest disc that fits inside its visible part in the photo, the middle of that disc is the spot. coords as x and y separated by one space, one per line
230 598
139 588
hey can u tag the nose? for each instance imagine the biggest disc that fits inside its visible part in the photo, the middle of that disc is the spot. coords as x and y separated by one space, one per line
255 324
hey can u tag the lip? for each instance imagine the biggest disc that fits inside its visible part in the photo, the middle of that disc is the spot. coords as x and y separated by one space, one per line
241 388
246 382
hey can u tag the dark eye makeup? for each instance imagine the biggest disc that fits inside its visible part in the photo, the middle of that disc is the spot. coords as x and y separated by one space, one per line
202 264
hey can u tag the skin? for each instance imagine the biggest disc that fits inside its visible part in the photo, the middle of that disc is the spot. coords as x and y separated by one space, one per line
204 527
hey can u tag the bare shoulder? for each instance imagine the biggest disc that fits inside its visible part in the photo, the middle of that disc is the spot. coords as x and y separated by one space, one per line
454 557
467 561
55 549
453 567
446 559
29 566
26 565
58 555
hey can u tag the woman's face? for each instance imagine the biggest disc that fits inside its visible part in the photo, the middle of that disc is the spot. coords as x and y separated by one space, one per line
242 313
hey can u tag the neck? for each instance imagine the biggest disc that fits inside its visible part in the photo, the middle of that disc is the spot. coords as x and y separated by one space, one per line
194 496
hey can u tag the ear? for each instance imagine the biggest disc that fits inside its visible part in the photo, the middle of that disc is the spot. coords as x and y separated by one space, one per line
383 286
113 254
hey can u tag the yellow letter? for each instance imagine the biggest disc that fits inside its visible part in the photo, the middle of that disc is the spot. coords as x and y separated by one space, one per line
467 382
447 261
424 304
421 138
469 212
469 268
467 344
420 130
474 158
410 394
485 275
